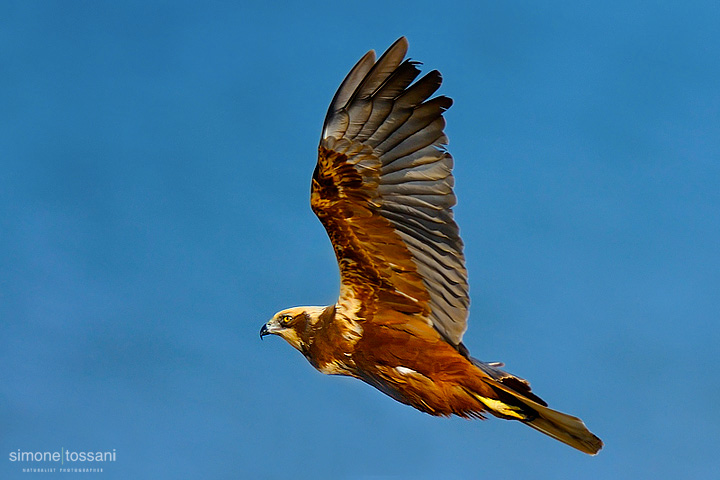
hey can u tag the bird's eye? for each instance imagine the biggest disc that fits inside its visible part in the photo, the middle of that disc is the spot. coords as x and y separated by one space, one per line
285 319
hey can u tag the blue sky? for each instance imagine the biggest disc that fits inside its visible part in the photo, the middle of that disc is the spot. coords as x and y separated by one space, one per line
155 165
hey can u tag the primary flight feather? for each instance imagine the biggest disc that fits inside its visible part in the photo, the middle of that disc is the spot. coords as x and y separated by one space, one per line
383 189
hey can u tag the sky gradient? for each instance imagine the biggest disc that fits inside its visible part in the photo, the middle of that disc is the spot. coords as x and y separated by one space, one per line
155 163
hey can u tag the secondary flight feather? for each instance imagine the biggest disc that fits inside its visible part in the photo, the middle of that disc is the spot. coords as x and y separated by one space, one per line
383 189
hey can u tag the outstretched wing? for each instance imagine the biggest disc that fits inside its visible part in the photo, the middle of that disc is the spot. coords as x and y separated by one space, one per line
383 189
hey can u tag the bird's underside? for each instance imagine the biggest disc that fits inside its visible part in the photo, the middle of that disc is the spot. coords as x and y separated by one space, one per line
383 189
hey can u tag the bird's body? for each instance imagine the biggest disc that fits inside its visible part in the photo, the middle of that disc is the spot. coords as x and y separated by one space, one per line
414 366
383 189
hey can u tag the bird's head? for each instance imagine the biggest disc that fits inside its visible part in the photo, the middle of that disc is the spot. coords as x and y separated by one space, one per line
294 325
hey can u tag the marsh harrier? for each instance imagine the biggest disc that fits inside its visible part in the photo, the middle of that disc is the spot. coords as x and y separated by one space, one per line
383 189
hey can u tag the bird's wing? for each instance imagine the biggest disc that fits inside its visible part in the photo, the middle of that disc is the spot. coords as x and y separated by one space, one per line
383 189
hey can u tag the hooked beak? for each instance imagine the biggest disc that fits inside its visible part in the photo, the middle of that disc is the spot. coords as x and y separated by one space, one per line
270 328
264 331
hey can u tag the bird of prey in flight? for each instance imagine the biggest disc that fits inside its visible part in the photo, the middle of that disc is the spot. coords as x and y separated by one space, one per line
383 189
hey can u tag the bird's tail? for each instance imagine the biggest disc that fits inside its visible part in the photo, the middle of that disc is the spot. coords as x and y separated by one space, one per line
518 402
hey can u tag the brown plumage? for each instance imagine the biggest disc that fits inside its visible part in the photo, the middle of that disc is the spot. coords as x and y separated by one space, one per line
383 189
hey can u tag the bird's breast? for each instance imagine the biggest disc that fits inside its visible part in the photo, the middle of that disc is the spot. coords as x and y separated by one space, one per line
336 367
333 344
